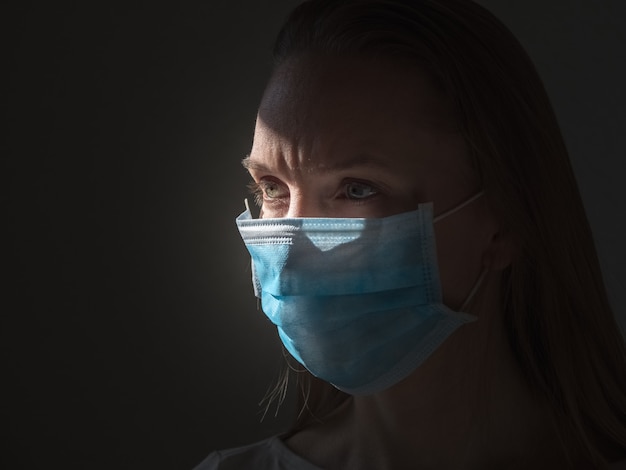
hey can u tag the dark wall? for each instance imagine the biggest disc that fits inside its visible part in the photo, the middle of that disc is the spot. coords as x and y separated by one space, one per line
130 337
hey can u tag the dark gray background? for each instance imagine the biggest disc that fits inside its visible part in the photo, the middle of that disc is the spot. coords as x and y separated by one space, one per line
130 336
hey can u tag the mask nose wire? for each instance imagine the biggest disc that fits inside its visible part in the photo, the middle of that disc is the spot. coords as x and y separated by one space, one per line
459 207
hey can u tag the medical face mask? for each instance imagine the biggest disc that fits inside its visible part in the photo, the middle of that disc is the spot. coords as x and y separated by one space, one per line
356 301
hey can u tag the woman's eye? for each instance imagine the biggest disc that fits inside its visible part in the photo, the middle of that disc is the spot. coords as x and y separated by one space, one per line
271 190
266 191
356 190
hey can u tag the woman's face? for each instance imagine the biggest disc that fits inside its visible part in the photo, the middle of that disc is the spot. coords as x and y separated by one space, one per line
367 138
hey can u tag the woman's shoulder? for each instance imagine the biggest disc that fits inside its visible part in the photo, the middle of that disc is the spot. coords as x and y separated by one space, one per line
273 454
268 454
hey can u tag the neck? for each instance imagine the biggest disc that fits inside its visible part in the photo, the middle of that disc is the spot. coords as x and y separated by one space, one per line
456 415
466 407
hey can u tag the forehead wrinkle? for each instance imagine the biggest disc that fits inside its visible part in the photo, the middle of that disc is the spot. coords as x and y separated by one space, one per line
314 156
276 153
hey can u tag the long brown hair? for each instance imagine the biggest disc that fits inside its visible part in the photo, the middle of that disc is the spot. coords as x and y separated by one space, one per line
558 318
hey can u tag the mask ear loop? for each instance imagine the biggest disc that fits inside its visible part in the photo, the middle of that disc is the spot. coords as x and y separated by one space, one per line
477 284
459 207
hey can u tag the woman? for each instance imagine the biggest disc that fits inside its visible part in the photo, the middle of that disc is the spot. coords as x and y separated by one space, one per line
387 126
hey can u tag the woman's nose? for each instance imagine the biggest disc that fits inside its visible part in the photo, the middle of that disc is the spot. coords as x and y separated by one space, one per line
303 206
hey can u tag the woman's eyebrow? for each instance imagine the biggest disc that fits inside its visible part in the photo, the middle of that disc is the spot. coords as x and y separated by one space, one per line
361 160
249 164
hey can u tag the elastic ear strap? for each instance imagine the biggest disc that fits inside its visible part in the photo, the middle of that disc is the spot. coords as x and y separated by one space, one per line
474 289
459 207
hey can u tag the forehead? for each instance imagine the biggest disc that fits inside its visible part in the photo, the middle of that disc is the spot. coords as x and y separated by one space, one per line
317 88
318 109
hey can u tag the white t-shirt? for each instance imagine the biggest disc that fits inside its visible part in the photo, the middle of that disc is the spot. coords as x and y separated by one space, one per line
273 454
269 454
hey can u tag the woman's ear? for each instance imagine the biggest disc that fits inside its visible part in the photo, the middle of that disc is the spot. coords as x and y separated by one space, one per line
501 251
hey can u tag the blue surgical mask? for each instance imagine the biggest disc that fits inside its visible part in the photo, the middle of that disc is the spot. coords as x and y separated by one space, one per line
356 301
